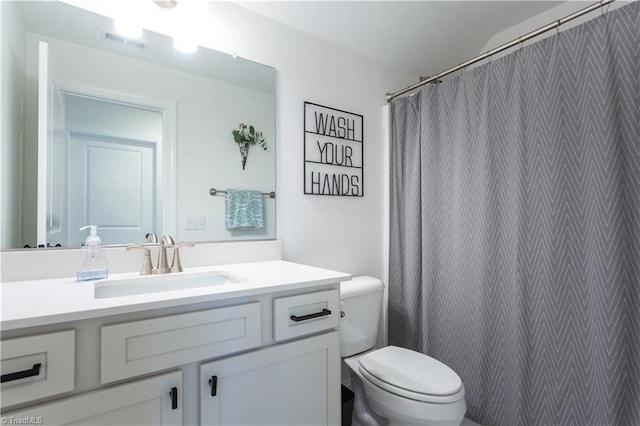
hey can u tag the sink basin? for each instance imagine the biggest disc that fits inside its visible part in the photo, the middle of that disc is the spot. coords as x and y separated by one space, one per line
160 283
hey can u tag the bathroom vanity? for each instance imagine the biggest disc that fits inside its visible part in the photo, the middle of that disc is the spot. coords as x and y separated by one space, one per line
252 343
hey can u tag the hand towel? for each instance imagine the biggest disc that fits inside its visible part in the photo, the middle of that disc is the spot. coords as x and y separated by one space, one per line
244 209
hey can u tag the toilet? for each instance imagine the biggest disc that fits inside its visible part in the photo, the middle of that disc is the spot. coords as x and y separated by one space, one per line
392 385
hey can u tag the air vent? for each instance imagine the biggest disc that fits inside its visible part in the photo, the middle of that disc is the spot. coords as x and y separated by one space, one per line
138 44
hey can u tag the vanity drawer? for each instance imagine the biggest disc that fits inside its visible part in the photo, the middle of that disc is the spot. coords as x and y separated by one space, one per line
303 314
140 347
38 366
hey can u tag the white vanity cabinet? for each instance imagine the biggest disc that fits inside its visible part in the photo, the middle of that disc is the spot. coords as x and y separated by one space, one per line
292 383
153 401
270 358
295 383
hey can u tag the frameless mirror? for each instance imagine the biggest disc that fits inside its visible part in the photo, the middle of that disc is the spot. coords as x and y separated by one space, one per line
127 135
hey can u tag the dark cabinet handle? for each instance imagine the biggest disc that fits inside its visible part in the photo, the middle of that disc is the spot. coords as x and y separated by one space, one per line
213 382
174 398
33 371
325 312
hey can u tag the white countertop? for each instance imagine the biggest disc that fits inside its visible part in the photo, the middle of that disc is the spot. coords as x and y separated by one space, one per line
35 303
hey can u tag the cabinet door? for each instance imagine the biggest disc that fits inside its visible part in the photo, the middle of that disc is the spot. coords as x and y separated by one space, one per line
154 401
297 383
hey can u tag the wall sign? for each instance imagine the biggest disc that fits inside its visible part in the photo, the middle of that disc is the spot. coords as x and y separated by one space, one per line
333 151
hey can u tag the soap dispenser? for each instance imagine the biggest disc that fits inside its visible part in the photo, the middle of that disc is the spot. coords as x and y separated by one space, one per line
93 265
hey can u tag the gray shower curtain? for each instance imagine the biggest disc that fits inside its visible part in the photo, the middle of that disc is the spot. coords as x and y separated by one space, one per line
515 228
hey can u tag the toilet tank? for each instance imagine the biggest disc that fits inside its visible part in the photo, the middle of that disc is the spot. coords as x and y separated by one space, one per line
361 302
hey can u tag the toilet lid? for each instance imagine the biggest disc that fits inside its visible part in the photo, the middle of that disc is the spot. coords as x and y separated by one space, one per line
412 371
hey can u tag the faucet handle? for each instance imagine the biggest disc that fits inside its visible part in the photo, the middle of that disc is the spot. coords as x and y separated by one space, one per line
176 265
147 267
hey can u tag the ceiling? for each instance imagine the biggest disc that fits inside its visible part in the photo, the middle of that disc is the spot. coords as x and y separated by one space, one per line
420 38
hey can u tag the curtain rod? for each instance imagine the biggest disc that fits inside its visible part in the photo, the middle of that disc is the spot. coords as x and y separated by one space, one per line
519 40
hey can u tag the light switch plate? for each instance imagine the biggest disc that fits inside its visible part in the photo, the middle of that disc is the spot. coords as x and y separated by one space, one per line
194 223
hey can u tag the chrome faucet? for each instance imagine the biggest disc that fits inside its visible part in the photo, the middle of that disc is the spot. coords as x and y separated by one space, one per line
162 267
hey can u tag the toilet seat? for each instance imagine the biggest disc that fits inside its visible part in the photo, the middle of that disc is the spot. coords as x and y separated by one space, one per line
412 375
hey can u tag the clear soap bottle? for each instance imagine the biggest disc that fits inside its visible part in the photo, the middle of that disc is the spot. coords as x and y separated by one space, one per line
93 265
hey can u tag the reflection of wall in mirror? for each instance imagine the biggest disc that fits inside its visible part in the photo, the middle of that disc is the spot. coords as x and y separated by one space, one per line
206 155
13 83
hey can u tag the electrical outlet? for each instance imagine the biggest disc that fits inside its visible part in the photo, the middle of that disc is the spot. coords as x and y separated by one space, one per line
194 223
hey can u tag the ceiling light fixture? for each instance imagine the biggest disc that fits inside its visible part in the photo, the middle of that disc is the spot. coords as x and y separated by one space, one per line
126 20
184 45
186 19
182 17
166 4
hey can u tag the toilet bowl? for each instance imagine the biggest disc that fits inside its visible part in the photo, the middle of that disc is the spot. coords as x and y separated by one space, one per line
392 385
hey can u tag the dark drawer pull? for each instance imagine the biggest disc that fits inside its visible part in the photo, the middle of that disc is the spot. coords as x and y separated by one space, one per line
33 371
322 313
213 382
174 398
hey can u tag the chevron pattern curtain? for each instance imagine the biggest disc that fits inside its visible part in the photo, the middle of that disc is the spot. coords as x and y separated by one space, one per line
515 230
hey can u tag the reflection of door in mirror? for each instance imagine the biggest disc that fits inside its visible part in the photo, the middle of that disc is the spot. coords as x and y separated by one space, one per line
113 174
56 167
113 170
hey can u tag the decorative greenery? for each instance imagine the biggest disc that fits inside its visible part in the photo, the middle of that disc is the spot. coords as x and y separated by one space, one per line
248 134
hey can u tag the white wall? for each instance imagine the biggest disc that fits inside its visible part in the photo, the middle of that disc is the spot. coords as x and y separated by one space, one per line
342 233
12 119
549 16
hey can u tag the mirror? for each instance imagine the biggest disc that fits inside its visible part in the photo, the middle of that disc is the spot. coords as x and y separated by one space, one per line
201 98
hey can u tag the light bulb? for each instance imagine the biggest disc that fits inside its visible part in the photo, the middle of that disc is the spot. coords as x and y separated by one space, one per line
184 45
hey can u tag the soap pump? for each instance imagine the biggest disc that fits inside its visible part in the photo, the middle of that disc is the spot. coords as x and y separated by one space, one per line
93 265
